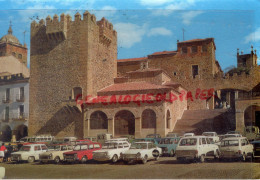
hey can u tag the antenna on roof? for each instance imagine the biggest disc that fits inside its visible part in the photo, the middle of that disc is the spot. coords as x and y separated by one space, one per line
183 30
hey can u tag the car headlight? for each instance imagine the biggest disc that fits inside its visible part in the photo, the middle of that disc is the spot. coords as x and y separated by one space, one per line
138 155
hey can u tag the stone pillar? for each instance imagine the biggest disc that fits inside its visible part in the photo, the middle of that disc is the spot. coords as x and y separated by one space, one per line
138 127
228 98
111 126
240 124
14 132
86 125
236 95
211 103
219 94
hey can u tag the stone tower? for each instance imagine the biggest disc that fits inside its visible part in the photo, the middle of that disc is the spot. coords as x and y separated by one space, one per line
247 60
68 58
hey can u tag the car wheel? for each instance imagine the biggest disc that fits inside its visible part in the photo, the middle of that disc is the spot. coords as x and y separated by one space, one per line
114 158
84 159
202 158
57 160
145 159
31 159
171 153
243 158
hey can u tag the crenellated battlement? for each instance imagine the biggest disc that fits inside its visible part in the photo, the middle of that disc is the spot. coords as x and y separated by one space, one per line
57 27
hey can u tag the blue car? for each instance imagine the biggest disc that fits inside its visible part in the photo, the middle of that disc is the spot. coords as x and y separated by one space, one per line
169 145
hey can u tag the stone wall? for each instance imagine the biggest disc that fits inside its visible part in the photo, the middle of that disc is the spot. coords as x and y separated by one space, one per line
64 58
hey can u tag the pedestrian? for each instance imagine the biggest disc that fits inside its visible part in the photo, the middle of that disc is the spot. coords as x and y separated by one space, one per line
2 152
8 153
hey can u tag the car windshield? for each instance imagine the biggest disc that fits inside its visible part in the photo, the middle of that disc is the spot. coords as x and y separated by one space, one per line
81 147
188 142
139 146
110 146
25 148
207 134
54 148
229 143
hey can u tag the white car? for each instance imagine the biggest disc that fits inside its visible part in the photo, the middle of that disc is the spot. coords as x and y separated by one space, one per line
212 136
188 134
236 147
111 151
141 151
55 153
29 153
196 148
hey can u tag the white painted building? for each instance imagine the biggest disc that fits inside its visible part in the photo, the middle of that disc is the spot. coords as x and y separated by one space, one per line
14 106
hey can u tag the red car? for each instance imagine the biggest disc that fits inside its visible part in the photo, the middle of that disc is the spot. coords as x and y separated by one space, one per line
82 152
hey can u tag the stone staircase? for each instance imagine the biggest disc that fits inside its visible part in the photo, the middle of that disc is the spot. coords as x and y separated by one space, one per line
198 121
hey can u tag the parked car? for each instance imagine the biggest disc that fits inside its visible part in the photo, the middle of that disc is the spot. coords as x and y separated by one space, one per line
212 136
69 139
117 139
236 148
232 135
111 151
141 151
146 140
188 134
80 141
101 138
233 132
29 153
256 144
55 153
172 134
82 152
157 137
168 145
196 148
91 138
251 132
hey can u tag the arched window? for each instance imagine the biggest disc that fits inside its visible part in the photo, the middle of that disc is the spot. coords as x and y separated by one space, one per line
148 119
98 120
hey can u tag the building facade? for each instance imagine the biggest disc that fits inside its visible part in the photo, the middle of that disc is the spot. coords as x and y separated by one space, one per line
79 88
14 88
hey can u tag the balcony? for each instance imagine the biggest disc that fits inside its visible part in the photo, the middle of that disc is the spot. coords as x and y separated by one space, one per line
20 98
6 99
21 117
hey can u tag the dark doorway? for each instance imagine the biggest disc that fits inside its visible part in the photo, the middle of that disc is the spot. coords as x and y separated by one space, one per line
257 118
124 123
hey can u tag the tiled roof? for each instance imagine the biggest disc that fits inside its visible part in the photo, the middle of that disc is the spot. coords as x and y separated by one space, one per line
164 53
132 59
131 86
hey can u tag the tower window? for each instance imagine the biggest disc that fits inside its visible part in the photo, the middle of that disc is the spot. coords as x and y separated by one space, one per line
195 70
174 73
204 48
184 50
194 49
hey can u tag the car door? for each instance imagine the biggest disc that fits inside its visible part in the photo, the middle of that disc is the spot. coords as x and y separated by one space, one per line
204 146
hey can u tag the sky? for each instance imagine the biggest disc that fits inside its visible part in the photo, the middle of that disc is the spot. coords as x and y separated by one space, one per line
148 26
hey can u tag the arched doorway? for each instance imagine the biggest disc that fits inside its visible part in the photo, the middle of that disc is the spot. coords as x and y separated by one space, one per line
21 131
148 119
124 123
98 120
6 133
252 116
